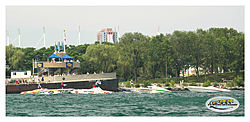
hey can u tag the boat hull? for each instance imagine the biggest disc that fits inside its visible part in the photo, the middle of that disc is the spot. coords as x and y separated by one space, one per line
90 91
47 91
206 89
144 90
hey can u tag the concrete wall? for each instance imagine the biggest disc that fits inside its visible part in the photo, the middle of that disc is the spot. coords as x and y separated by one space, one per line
80 77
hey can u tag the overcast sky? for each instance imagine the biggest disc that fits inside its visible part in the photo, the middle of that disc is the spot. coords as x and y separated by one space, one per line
31 20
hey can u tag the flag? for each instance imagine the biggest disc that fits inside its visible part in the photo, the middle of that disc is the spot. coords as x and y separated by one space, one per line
62 46
59 46
64 35
55 46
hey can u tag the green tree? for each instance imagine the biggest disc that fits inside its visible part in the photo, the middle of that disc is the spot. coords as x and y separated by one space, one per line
102 56
132 45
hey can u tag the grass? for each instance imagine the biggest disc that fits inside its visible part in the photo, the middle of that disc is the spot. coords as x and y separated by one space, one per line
192 79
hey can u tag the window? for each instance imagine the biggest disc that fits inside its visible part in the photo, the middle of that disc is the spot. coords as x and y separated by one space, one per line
25 73
14 73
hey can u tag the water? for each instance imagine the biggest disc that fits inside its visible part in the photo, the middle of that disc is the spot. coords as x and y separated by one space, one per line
177 103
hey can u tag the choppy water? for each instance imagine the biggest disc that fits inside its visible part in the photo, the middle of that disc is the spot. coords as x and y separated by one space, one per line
177 103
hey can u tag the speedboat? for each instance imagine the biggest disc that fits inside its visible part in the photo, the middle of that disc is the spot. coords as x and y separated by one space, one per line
96 90
149 89
47 91
206 89
155 89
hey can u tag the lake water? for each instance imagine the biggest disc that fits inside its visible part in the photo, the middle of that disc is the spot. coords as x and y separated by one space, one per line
176 103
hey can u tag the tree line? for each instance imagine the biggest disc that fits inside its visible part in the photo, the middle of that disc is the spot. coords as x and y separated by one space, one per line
139 56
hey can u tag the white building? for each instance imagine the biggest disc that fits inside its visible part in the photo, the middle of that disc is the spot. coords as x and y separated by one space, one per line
20 73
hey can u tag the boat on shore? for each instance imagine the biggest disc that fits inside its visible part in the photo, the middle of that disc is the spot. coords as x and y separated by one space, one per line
96 90
206 89
149 89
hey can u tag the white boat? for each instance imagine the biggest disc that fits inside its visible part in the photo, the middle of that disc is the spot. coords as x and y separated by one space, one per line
47 91
149 89
206 89
96 90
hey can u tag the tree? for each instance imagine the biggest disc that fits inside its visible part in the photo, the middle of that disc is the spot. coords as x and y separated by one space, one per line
131 45
102 56
14 58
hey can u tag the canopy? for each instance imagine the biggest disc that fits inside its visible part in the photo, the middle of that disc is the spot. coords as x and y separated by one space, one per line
67 57
54 56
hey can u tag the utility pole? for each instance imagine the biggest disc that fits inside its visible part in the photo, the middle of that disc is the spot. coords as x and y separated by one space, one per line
19 38
8 38
79 36
44 36
166 69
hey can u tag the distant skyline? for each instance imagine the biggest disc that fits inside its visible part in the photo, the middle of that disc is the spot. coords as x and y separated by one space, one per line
145 19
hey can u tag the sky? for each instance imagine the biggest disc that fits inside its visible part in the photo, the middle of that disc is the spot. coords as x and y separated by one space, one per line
145 19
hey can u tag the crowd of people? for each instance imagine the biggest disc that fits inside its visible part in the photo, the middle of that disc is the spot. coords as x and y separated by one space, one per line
31 79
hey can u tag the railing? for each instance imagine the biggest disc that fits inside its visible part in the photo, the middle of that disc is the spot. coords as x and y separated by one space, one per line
51 79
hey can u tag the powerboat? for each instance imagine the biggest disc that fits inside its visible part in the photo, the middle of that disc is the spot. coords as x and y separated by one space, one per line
206 89
96 90
155 89
149 89
47 91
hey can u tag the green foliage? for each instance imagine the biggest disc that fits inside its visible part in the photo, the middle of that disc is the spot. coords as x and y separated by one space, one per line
146 83
185 84
239 81
167 84
192 84
137 85
206 83
172 83
127 84
139 56
230 84
215 83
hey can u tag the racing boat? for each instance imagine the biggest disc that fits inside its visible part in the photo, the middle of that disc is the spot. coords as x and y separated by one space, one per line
149 89
206 89
47 91
96 90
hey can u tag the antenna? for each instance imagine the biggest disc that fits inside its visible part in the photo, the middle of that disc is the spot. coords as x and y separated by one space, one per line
118 35
44 36
158 33
19 37
8 38
79 36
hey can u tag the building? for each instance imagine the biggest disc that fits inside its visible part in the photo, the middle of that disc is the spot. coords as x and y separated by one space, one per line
20 73
107 35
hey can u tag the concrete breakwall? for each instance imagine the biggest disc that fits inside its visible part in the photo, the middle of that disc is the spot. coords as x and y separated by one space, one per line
75 77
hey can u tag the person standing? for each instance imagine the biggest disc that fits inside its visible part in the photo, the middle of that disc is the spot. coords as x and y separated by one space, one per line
39 80
42 78
131 83
62 84
97 83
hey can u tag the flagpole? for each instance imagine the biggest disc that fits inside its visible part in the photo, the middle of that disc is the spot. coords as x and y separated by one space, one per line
64 40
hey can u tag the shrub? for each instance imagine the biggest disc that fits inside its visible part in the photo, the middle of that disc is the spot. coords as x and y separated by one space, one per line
207 83
127 84
172 83
146 83
229 84
193 84
167 84
185 84
137 85
239 81
215 83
